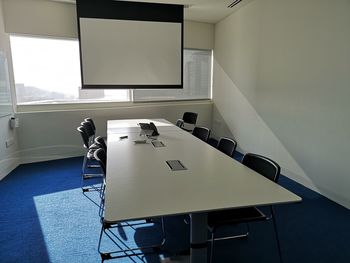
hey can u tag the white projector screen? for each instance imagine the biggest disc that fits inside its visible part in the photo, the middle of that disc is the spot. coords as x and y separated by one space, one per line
128 52
130 45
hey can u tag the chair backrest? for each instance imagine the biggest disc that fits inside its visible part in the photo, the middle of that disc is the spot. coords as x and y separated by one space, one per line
227 146
84 136
201 133
179 123
101 156
91 122
101 142
190 117
88 128
262 165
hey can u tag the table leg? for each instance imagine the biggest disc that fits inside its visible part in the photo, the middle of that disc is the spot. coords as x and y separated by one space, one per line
199 236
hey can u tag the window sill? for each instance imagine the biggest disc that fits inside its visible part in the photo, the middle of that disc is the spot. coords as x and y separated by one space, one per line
101 105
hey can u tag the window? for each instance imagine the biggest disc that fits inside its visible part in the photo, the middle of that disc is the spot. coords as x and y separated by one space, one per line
196 84
47 71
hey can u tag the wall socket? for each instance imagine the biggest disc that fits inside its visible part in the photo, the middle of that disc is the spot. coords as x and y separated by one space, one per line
14 123
9 142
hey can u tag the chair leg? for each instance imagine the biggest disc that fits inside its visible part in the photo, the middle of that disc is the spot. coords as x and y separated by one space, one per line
93 166
212 245
87 165
85 176
84 165
99 242
235 236
125 252
101 209
248 230
163 231
276 234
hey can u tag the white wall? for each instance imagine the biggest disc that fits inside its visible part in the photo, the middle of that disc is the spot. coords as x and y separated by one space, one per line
198 35
9 157
53 135
281 87
40 17
48 18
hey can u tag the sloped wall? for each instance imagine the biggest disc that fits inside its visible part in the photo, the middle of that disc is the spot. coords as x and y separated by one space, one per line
282 85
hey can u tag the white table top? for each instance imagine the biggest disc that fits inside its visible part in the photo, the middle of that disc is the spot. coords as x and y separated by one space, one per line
128 126
140 184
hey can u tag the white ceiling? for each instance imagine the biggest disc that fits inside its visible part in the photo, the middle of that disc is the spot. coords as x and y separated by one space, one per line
209 11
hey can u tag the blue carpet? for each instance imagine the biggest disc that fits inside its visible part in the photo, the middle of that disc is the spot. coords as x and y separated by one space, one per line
45 217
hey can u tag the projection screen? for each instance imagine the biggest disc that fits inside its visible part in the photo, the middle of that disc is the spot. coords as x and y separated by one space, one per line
130 49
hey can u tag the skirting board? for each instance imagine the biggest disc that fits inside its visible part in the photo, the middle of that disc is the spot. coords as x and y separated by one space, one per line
8 165
309 184
38 154
47 153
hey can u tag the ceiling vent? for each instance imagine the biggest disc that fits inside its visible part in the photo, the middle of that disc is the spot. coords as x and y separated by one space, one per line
235 2
65 1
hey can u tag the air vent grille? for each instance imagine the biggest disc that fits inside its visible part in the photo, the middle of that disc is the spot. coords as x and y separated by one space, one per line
235 2
65 1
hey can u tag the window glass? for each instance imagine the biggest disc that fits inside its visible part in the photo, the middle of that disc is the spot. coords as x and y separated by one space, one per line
47 70
196 84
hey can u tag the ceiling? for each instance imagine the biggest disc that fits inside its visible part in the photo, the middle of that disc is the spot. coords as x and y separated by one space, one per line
209 11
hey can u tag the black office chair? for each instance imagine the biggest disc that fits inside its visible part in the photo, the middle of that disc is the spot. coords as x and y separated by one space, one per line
91 123
217 219
88 161
93 127
87 145
89 131
84 136
179 123
189 120
99 142
202 133
107 228
227 146
100 155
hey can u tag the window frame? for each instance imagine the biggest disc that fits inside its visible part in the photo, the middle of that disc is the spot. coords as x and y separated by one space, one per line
103 104
189 99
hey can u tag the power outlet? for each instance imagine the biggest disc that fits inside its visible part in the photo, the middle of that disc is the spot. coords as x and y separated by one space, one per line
9 142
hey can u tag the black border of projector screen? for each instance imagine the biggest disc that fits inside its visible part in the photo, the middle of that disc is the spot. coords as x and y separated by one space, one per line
126 10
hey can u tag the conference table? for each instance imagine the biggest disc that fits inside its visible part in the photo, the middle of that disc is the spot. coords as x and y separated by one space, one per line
141 183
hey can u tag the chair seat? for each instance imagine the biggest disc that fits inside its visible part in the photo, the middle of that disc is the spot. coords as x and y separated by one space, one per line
188 130
235 216
94 146
91 151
